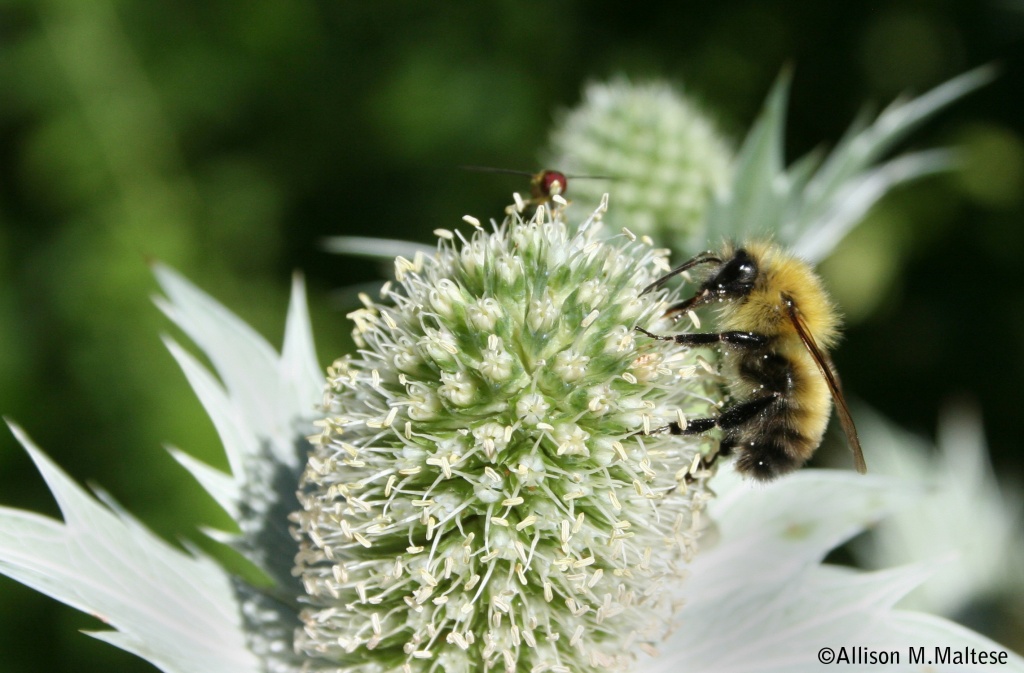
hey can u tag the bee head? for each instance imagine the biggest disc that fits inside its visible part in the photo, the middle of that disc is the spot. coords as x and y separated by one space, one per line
736 277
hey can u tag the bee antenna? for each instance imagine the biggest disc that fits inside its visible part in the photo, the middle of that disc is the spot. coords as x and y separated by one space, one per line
703 258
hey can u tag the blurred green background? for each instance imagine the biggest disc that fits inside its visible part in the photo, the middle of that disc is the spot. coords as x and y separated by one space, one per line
227 139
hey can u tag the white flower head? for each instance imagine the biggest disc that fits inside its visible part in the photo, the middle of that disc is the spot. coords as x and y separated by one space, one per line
663 157
513 523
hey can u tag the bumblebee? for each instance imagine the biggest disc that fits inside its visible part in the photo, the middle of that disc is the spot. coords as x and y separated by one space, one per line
777 324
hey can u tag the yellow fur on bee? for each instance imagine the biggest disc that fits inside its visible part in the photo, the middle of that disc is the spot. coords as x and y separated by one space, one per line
763 310
810 404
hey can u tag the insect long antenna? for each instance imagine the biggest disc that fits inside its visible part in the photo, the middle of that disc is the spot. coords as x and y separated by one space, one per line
703 258
491 169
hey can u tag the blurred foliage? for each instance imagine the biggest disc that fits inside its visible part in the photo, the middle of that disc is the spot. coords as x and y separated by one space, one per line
228 139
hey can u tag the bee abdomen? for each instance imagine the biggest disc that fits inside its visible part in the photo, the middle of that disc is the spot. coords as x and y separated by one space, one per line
771 448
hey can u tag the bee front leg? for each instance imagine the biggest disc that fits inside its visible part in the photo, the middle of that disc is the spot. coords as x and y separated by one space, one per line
685 305
740 339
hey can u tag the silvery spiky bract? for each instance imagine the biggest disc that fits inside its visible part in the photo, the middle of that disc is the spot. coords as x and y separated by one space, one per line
810 205
674 179
968 520
482 493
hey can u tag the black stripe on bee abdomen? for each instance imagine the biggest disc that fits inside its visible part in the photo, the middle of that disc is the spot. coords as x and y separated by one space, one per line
770 446
768 369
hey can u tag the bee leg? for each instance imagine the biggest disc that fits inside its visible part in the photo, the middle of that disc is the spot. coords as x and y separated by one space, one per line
695 426
739 339
707 462
741 412
685 305
733 416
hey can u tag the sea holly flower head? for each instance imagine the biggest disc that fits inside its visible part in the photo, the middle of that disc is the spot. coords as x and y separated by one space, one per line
655 149
483 490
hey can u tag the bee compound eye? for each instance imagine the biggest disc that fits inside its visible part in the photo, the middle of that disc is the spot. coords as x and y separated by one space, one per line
737 275
747 272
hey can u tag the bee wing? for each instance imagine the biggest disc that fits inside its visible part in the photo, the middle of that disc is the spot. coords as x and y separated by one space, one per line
828 371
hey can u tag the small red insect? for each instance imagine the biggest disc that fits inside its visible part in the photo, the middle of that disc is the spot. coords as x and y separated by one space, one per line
544 185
